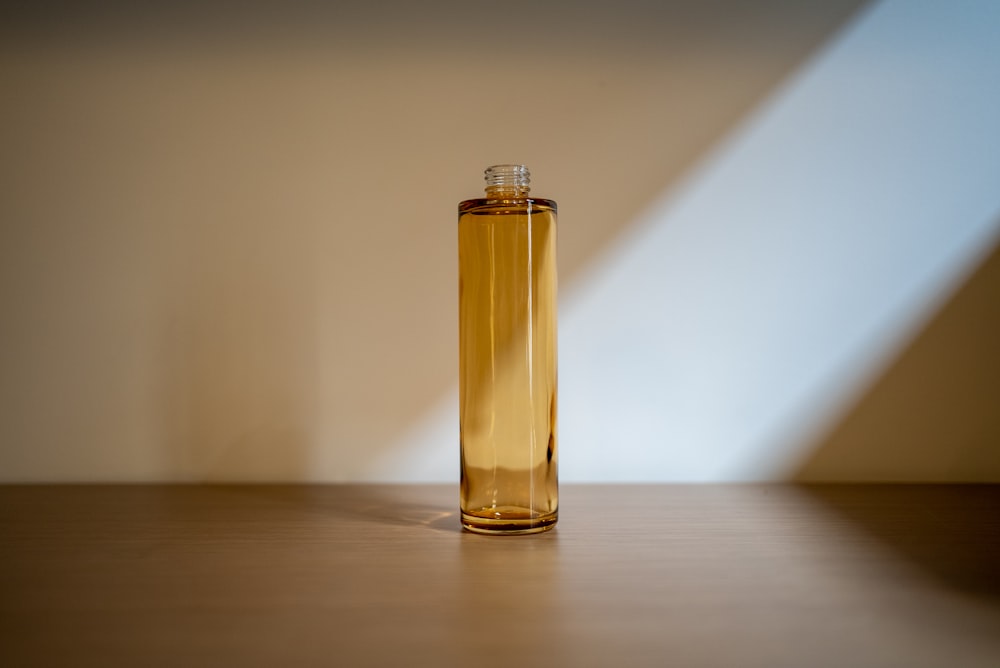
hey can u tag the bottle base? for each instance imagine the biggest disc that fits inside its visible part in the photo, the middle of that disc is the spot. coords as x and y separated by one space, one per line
507 523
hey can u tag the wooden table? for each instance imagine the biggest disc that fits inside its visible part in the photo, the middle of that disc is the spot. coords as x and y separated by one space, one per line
381 576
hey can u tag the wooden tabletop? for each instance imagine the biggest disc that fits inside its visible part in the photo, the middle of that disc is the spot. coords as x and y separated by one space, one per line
652 575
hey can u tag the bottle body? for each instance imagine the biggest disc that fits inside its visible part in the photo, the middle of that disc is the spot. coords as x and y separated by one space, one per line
508 363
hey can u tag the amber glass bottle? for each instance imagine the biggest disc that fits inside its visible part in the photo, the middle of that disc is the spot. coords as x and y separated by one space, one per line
507 357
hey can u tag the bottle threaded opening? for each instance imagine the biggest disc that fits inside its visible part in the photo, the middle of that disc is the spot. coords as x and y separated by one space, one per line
507 179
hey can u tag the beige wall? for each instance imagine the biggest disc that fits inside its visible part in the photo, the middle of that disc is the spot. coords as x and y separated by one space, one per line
228 246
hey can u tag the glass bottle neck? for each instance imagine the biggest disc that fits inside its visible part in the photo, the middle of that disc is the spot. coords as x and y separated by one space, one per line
507 181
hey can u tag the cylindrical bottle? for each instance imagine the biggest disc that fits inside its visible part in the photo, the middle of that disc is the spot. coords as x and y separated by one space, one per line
507 357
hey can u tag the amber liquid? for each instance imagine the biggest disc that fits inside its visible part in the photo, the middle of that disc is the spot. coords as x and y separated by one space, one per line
507 364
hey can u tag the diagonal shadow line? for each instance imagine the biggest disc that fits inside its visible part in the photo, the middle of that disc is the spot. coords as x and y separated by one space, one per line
932 414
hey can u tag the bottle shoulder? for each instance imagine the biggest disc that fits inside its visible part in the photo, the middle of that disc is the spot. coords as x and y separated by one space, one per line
488 205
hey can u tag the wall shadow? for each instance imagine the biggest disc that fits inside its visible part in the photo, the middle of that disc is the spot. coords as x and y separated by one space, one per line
934 414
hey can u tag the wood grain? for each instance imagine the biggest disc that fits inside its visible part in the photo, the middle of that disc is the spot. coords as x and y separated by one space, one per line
380 575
